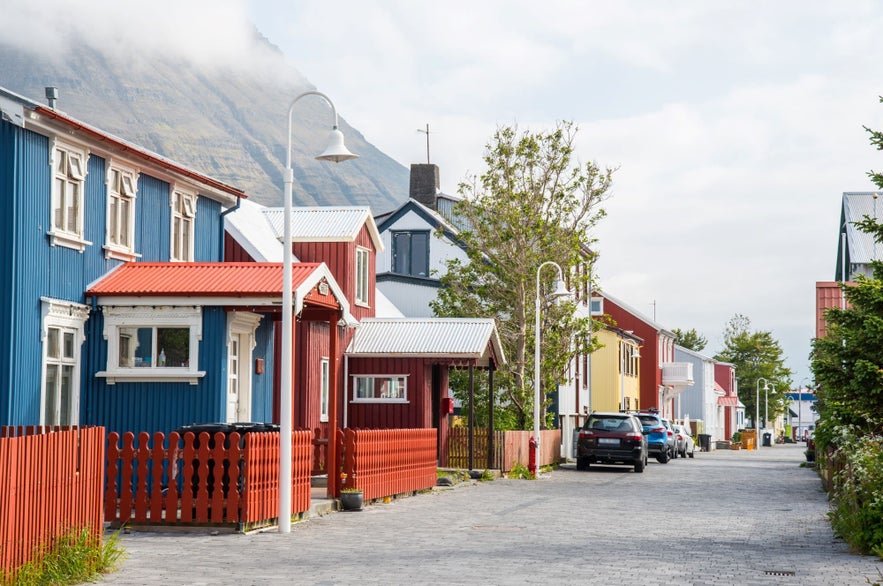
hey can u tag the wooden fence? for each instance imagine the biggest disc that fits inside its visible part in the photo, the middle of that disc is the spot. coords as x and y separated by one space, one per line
224 479
387 462
50 484
510 448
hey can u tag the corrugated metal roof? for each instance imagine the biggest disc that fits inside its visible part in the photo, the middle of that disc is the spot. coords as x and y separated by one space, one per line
324 223
857 205
469 338
247 279
250 227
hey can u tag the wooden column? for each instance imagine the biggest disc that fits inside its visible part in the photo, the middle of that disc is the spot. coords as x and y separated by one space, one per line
333 390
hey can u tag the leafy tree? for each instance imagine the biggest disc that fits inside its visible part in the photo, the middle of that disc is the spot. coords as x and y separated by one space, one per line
533 203
690 339
758 358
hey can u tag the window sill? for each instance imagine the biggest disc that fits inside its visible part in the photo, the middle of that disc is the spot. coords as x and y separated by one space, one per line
68 240
113 252
181 376
394 401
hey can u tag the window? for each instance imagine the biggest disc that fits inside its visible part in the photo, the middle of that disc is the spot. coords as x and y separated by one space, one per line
362 276
597 306
323 396
391 388
152 343
63 336
183 217
68 186
122 187
410 253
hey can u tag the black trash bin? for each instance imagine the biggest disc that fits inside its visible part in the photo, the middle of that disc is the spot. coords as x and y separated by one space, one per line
226 428
705 442
767 439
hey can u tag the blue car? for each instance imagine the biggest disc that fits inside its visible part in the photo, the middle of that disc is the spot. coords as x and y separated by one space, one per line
657 436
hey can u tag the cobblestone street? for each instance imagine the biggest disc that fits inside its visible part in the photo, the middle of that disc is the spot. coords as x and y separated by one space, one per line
725 517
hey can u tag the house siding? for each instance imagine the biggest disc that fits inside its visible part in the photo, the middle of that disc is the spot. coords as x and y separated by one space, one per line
151 407
416 413
651 373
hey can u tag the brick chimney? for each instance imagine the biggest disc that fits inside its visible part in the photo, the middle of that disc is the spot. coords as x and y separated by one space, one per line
425 184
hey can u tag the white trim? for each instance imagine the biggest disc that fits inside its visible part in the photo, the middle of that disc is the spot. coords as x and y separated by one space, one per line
116 317
78 168
63 315
124 252
189 203
360 250
242 325
324 388
357 399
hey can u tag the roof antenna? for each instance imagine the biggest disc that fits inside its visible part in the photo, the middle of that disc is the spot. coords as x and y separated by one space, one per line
52 96
426 132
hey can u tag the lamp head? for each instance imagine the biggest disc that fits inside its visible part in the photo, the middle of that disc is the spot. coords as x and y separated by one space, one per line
336 150
560 291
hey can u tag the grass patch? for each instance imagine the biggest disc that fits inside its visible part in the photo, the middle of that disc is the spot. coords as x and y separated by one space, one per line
73 558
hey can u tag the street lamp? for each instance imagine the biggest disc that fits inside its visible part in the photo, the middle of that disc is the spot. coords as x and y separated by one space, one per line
757 410
335 152
560 291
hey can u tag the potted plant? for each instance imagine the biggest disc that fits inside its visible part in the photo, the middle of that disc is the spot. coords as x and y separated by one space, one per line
351 499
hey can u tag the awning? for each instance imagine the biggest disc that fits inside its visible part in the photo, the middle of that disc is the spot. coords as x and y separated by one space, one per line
728 401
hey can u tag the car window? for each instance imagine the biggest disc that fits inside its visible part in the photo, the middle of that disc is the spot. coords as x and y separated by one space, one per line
605 423
648 420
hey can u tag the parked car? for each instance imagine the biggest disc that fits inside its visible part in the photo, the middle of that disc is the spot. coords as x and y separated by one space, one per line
657 436
670 439
684 441
612 438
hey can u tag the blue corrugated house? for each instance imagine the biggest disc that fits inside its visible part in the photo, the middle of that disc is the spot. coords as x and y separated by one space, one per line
82 206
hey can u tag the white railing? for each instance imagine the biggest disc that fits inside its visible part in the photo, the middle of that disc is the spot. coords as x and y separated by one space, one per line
677 374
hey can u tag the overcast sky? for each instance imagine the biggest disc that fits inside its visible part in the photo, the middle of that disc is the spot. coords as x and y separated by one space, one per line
736 125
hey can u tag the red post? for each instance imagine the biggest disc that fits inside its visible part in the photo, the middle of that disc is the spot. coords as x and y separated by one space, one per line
532 457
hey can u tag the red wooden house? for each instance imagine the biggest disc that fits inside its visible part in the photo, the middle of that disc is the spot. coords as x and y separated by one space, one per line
395 372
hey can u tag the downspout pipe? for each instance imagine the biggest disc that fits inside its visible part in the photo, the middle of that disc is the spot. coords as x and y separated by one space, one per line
223 220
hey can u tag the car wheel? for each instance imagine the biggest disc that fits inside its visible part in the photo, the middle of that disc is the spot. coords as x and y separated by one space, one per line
582 463
691 453
639 465
684 452
662 458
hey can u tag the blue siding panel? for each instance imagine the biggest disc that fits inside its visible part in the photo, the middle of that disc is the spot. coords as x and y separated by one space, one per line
152 233
207 232
9 177
262 384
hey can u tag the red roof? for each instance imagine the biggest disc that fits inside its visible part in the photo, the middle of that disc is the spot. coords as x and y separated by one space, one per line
728 401
208 279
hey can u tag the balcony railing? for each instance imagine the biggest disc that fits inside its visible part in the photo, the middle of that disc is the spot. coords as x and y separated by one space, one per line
677 374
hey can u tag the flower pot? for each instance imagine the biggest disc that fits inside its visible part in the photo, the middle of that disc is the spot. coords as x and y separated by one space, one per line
736 446
351 501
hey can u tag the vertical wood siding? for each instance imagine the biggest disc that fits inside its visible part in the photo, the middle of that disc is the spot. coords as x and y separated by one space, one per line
651 373
413 414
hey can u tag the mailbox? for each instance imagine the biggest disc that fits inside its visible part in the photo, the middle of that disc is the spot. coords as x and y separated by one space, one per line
447 405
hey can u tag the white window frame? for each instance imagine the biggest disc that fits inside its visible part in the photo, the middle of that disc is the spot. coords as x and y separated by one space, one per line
372 378
116 318
324 386
183 212
74 162
70 317
362 266
126 190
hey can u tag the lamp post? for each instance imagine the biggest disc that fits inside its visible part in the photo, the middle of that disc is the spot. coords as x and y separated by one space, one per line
335 152
560 291
757 410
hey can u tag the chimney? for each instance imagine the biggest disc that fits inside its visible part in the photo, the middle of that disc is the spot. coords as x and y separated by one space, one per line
425 184
52 96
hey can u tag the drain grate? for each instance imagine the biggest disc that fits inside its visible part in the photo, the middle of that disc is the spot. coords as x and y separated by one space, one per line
778 572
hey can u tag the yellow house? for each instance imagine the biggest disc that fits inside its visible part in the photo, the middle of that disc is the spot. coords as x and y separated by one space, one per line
616 371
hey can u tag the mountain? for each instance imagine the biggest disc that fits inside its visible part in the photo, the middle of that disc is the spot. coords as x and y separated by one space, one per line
227 121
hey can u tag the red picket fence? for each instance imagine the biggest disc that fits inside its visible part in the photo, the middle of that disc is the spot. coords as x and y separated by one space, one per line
510 448
386 462
218 480
50 484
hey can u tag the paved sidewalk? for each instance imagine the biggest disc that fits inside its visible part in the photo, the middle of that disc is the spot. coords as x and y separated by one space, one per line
722 518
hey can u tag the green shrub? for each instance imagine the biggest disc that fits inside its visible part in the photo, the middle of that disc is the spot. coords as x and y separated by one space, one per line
857 494
520 471
73 558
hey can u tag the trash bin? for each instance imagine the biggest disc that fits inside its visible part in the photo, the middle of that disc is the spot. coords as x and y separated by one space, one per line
767 439
226 428
705 442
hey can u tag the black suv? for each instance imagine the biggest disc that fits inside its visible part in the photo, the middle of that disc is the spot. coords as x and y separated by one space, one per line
611 438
